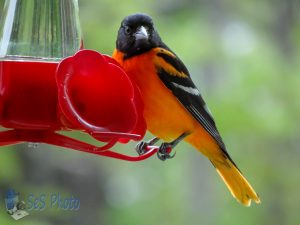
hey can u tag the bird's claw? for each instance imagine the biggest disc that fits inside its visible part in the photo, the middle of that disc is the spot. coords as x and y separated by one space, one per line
141 147
164 150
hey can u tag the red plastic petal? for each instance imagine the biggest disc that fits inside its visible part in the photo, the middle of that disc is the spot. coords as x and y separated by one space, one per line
97 95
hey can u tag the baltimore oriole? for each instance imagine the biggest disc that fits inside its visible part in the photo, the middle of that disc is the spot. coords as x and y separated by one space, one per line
174 109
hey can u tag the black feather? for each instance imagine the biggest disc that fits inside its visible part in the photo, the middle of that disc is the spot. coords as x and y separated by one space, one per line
193 103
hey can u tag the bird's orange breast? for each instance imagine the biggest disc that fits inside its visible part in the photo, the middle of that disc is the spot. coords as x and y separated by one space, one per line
164 114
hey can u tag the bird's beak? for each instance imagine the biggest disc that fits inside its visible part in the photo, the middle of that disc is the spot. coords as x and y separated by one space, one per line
141 33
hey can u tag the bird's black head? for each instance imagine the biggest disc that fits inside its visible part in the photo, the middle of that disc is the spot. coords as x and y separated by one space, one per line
137 35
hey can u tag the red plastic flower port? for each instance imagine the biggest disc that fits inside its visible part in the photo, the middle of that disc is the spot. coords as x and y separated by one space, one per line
96 95
87 92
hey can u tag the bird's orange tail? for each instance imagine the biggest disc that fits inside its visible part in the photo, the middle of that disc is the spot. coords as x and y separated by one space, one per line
237 184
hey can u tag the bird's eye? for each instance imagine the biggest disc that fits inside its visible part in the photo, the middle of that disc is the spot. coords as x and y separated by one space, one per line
127 30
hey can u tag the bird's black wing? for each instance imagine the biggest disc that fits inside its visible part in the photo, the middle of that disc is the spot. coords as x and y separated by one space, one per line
175 77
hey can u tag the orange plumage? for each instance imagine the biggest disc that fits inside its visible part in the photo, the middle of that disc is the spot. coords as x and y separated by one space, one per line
173 105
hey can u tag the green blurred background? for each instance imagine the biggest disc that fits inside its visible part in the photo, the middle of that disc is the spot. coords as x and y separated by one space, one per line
244 57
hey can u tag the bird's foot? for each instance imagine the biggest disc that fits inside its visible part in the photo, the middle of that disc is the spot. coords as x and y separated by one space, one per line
141 147
164 151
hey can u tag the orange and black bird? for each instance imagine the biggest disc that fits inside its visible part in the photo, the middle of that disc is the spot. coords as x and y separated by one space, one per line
174 108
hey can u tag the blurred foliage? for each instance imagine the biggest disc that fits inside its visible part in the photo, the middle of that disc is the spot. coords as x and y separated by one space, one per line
244 57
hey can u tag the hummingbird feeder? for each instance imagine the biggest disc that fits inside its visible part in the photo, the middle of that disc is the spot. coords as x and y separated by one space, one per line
50 84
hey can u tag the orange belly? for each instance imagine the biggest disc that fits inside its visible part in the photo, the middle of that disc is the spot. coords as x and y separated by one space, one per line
166 118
